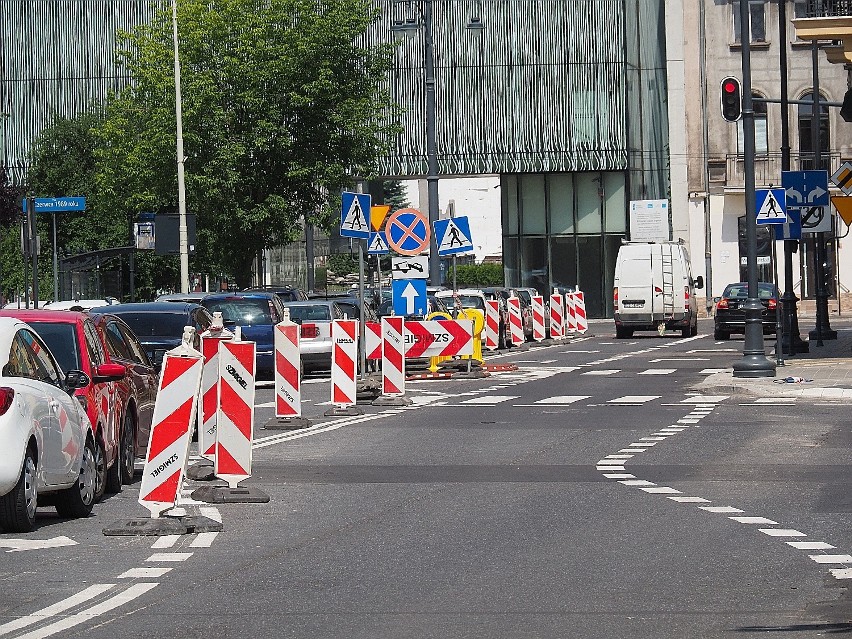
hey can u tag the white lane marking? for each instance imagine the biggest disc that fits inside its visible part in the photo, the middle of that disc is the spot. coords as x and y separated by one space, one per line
654 439
45 613
634 399
265 405
754 520
711 371
604 462
705 399
637 482
775 400
625 456
619 476
204 540
810 545
662 490
678 359
721 509
632 450
20 545
832 559
609 468
562 399
166 541
690 500
134 592
713 350
842 573
688 421
490 399
144 573
782 532
602 372
644 444
658 371
210 512
170 556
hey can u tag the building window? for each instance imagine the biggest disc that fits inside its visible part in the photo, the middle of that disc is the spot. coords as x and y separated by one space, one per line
761 138
806 138
756 19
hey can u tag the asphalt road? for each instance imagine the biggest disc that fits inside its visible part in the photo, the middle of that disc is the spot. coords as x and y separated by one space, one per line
598 491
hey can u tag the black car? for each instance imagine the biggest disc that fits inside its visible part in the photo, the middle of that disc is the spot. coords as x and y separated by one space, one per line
285 292
730 316
159 325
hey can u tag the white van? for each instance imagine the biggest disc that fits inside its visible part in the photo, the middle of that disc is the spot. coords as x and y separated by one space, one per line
653 289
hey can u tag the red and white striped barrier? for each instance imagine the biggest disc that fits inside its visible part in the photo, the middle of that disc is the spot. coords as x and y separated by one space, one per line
344 357
570 313
288 369
538 318
492 324
373 340
174 413
557 317
439 338
580 312
210 385
516 321
235 418
393 357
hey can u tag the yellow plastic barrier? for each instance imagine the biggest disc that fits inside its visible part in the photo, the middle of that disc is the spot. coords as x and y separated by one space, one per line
478 318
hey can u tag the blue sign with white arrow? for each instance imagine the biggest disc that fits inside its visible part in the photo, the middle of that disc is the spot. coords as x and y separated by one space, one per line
57 204
453 236
805 188
355 215
793 229
409 297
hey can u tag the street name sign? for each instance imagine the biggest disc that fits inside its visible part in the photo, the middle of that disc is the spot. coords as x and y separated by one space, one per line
57 204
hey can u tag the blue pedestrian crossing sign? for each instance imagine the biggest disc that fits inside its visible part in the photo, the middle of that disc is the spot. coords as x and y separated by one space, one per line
378 244
453 236
409 297
355 215
771 206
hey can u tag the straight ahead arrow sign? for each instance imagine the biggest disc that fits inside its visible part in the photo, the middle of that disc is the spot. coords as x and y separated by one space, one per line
410 295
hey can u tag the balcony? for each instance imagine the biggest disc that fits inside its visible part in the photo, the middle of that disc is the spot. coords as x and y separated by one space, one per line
728 172
828 20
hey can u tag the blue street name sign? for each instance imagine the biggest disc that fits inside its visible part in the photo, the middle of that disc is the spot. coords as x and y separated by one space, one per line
409 297
57 204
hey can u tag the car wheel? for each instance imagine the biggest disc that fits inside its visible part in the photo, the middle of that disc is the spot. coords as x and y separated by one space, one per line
128 449
686 332
77 501
694 330
100 470
719 334
18 507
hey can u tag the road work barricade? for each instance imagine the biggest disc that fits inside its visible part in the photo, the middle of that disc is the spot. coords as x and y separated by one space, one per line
288 376
210 386
373 340
570 314
538 318
557 317
581 322
492 325
393 363
344 368
516 321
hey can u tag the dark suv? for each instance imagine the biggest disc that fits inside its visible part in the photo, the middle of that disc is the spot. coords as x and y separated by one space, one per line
730 316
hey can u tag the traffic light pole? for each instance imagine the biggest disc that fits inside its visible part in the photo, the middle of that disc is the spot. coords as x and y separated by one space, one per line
754 362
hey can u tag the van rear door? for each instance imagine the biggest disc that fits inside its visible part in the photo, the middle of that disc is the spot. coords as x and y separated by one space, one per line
636 281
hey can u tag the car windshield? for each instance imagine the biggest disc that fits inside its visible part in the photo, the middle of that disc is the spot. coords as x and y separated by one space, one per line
245 311
740 291
61 339
353 311
472 301
159 324
310 313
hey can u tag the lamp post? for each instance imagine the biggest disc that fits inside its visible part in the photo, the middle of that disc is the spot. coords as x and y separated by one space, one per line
183 236
754 362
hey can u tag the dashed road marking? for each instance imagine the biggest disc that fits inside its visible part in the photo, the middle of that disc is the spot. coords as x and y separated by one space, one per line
144 573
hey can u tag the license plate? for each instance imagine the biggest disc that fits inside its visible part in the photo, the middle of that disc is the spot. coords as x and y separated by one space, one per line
310 332
633 304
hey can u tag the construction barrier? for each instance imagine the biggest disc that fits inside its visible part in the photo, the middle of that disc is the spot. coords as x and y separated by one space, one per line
210 385
344 339
538 318
557 317
580 312
570 313
393 357
235 427
516 321
174 414
288 369
439 338
492 324
373 340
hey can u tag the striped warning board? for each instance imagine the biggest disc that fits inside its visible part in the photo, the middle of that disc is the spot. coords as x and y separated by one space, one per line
210 391
393 357
492 324
235 418
557 316
538 317
516 321
288 370
344 355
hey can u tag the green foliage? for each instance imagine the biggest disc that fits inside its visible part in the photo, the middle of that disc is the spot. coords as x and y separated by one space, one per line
478 275
395 195
343 264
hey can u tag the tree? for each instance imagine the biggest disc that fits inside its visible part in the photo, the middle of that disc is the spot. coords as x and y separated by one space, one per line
282 106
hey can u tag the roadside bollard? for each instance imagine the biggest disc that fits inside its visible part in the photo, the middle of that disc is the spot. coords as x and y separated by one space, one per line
557 317
344 368
492 325
288 377
393 363
538 318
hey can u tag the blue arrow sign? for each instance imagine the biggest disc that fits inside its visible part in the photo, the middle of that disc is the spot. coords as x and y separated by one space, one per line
378 244
355 215
57 204
453 236
805 188
409 297
793 229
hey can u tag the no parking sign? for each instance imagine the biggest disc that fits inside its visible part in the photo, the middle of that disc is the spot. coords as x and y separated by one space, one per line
407 232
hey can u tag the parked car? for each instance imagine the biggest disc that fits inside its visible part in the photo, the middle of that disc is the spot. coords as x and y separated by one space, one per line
315 317
285 292
159 325
193 298
46 438
256 314
80 305
730 316
76 345
351 308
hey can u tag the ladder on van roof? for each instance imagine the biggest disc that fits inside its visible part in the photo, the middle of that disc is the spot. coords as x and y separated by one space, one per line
668 280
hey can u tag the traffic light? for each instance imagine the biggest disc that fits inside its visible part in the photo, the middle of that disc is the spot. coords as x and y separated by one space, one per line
846 109
732 99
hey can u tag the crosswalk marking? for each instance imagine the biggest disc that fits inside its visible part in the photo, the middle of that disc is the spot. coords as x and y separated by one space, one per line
658 371
603 372
490 399
705 399
562 399
633 399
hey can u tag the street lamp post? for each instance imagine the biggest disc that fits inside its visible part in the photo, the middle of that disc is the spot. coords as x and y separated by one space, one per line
183 236
754 362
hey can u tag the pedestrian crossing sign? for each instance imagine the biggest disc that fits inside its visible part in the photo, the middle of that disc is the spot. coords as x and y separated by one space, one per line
453 236
771 206
378 244
354 215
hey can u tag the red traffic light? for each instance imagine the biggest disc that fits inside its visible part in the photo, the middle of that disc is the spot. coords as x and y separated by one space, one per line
729 86
731 94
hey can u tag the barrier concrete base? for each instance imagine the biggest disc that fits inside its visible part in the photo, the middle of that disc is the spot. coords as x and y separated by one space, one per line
287 423
385 400
343 411
200 524
520 348
146 527
202 471
473 374
226 495
544 342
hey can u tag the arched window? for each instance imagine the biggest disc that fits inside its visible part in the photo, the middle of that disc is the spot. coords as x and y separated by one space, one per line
806 139
761 137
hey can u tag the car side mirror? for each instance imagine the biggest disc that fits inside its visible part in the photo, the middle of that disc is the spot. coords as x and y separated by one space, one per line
716 300
699 282
75 380
109 373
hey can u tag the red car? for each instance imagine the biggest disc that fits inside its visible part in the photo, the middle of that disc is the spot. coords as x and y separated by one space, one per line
119 399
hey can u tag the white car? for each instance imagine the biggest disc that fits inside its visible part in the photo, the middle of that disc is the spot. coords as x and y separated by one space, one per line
80 305
45 435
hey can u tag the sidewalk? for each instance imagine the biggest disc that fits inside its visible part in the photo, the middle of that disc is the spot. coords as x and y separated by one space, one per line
826 370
